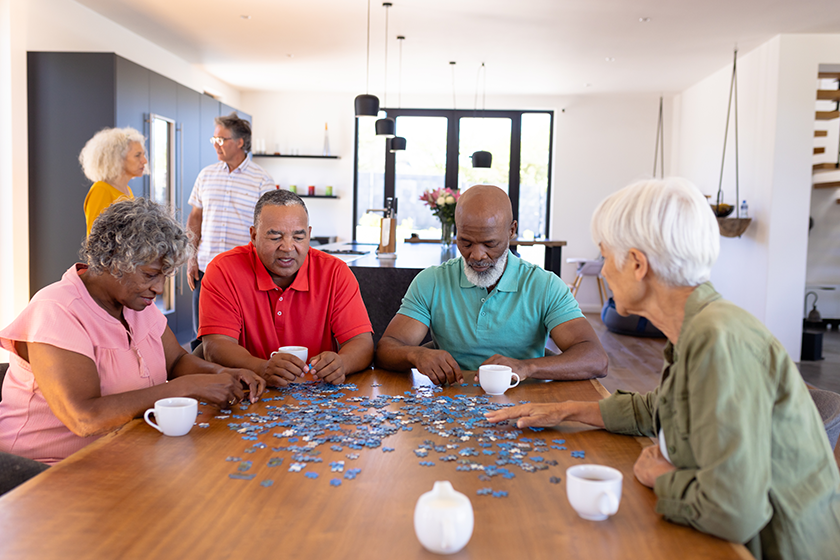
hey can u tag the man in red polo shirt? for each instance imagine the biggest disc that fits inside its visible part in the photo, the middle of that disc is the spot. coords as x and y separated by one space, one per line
277 291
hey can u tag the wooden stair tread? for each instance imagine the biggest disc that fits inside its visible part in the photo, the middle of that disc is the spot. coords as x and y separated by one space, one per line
829 185
820 133
827 115
828 94
825 166
829 75
819 151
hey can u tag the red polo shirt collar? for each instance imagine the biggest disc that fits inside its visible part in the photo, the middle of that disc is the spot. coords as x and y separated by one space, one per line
265 282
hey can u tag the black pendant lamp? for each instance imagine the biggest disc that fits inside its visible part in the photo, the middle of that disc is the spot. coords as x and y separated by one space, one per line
398 143
481 158
386 126
367 105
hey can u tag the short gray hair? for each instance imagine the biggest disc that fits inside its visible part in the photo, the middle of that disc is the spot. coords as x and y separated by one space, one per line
669 221
132 233
103 157
278 197
240 128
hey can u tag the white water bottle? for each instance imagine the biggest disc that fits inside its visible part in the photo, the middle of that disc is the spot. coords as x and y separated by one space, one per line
745 210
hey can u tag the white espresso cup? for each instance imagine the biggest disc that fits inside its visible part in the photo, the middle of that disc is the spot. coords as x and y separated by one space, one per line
594 490
175 416
495 379
301 352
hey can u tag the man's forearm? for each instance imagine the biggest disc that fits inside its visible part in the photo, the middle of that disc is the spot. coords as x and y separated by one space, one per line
393 355
231 354
357 354
584 360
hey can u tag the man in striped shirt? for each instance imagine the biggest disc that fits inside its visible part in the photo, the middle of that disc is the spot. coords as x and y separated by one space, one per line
223 199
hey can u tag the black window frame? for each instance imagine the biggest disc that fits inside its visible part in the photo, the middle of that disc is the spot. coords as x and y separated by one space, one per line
452 141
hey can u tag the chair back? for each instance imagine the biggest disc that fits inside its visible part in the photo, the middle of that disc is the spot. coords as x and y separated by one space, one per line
828 405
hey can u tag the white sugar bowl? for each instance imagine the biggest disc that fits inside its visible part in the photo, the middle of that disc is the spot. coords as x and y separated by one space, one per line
443 519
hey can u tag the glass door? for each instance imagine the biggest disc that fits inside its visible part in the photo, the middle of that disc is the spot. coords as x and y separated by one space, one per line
490 135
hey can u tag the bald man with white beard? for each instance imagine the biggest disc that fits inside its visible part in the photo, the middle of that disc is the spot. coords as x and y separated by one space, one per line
490 307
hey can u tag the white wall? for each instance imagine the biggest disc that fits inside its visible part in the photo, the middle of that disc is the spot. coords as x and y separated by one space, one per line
764 270
56 25
601 143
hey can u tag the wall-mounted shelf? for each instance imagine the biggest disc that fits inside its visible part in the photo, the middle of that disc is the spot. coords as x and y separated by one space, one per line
317 195
299 156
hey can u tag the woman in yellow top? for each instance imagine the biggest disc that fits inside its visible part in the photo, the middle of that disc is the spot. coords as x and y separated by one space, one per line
111 159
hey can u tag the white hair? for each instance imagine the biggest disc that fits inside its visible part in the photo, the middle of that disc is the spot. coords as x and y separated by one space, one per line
103 157
669 221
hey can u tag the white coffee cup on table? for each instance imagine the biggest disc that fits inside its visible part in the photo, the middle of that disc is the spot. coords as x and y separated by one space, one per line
594 491
301 352
175 416
495 379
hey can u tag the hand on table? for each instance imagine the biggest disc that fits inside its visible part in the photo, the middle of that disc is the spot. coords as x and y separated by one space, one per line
543 415
220 389
517 366
651 465
439 366
281 369
329 367
246 377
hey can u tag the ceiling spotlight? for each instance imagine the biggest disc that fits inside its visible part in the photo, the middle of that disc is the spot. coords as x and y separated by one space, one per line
644 19
243 16
610 59
588 85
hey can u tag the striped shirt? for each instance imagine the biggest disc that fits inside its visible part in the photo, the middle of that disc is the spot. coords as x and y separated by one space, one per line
227 200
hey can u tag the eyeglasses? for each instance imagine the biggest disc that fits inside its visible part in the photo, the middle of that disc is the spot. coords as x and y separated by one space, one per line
219 140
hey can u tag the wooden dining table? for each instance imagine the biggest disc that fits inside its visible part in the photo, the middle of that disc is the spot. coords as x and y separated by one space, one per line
136 493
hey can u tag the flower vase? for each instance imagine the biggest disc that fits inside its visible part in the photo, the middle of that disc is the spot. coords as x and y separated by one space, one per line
447 229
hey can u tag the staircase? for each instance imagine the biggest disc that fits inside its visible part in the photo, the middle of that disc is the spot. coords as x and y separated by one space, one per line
826 167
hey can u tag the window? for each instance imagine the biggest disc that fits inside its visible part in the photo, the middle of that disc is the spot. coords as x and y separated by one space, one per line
439 146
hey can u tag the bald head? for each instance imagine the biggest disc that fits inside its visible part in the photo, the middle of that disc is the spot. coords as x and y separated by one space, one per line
484 205
484 219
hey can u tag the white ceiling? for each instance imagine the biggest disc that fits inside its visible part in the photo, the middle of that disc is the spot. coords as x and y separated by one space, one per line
530 46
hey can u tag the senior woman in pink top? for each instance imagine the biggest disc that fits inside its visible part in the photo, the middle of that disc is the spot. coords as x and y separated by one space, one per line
92 351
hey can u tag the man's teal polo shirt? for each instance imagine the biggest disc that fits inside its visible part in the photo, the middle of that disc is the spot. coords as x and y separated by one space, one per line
472 325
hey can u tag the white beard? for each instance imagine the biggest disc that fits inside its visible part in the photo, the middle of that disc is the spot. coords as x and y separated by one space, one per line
490 276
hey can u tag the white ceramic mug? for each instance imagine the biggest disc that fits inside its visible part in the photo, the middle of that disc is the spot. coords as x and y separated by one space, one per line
175 416
495 379
443 519
594 490
301 352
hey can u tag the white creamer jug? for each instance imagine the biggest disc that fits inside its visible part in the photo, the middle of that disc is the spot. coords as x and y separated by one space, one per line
443 519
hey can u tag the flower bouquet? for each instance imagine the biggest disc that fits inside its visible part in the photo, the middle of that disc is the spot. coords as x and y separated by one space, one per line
442 202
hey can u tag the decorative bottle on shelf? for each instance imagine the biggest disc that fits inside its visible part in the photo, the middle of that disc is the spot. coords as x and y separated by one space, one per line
744 212
326 140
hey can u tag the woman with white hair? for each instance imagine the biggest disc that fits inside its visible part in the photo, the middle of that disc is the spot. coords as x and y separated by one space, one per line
111 159
742 454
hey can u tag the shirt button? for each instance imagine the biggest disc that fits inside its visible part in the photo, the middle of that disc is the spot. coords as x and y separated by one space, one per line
279 312
671 450
483 300
280 298
483 313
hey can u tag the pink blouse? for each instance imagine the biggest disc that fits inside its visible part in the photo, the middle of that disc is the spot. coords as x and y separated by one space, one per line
64 315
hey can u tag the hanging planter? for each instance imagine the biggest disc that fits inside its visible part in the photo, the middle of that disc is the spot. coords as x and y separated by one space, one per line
730 227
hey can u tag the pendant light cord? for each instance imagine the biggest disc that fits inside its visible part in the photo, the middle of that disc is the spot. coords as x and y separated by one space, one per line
385 88
367 67
400 38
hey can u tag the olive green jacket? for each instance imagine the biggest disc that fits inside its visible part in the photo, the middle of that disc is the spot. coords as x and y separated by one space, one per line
753 461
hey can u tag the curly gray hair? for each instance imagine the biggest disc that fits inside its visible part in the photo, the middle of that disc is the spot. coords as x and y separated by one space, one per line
132 233
103 157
